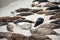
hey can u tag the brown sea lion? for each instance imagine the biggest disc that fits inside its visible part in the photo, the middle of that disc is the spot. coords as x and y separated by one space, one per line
44 31
36 10
56 21
50 25
53 8
24 14
23 10
9 19
39 37
47 12
50 5
3 23
57 3
12 36
57 15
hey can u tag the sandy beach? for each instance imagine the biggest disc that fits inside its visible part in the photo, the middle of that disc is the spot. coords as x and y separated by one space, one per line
6 11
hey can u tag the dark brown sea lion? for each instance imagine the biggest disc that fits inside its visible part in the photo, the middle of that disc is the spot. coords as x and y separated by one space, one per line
23 9
44 31
9 19
57 15
25 13
57 3
53 8
6 20
47 12
12 36
21 20
39 37
3 23
50 25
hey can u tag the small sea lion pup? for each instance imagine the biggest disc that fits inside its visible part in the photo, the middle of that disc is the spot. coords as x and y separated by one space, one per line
38 22
44 31
46 12
39 37
57 15
10 27
50 25
12 36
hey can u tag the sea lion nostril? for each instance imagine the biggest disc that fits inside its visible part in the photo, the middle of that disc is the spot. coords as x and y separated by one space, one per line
39 21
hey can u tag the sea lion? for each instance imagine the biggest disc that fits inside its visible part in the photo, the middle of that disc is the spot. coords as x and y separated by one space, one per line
46 12
44 31
50 5
53 8
25 14
10 27
38 22
50 25
57 11
12 36
41 0
57 15
9 19
5 34
34 3
3 23
36 10
39 37
22 20
23 10
57 3
56 21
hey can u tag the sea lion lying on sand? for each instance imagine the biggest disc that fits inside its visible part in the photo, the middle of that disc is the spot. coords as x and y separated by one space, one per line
23 10
53 8
9 19
44 31
6 20
3 23
47 12
15 36
50 25
57 3
50 5
57 11
12 36
39 37
36 10
34 3
25 14
57 15
21 20
57 21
